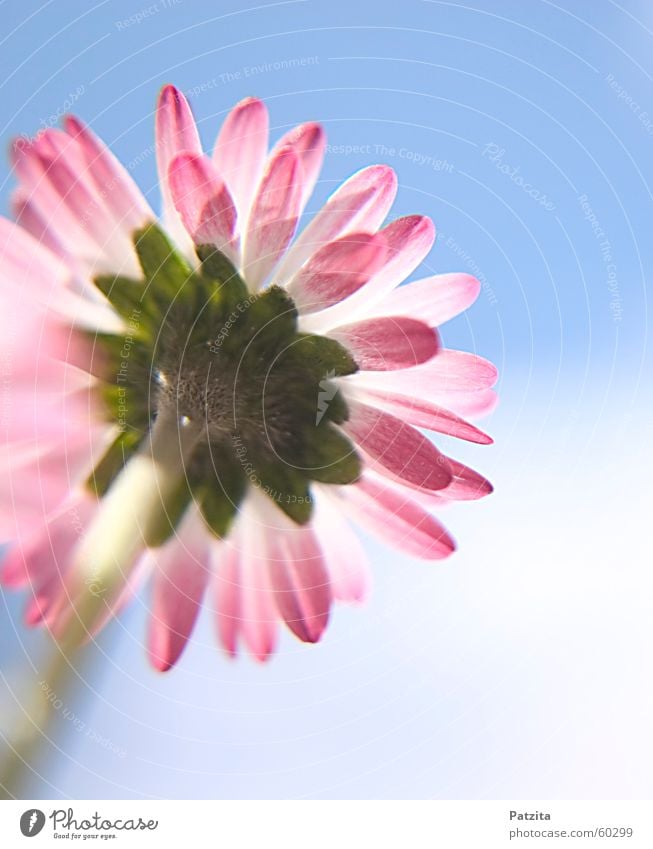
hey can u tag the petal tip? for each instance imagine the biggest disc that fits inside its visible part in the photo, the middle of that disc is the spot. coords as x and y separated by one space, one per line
384 172
263 656
169 91
249 102
72 124
474 286
160 665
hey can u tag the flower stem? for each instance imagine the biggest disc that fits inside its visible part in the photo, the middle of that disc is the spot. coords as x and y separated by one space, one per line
30 732
128 518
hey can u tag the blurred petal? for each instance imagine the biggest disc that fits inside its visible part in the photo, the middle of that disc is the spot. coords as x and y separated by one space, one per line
300 583
111 178
226 570
343 552
257 609
180 575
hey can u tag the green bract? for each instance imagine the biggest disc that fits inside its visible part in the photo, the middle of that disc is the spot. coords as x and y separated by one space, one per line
233 363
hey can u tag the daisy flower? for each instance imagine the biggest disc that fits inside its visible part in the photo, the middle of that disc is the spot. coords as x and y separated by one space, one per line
207 400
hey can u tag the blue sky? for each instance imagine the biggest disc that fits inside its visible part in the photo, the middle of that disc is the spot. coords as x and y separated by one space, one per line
525 131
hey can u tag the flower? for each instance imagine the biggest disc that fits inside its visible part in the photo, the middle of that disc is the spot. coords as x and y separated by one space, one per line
205 402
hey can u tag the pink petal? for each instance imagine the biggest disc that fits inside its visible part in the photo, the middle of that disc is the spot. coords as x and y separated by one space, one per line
397 447
42 461
45 601
36 344
111 178
308 141
42 412
342 550
273 218
384 344
337 270
474 403
34 489
479 403
30 272
66 601
48 560
426 414
402 523
408 242
175 133
47 204
458 371
203 202
360 204
226 570
449 372
21 253
434 299
44 554
29 218
65 171
27 270
134 581
258 612
300 583
60 218
38 306
466 484
180 576
240 151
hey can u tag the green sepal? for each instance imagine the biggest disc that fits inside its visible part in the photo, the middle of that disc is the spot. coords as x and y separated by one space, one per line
165 271
332 457
219 485
336 409
170 516
288 488
135 413
123 293
113 461
219 267
219 509
251 340
323 356
270 319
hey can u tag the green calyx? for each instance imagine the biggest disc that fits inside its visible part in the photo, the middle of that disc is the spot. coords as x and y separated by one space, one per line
260 394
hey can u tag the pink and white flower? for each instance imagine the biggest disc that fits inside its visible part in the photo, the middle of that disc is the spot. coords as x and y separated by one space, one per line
223 463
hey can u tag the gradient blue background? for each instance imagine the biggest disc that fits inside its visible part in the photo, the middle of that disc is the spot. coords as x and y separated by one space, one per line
520 667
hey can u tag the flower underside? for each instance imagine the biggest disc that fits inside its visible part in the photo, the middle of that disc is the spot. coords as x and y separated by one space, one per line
235 373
